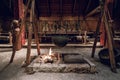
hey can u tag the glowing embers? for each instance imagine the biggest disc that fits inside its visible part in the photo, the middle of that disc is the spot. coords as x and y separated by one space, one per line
48 58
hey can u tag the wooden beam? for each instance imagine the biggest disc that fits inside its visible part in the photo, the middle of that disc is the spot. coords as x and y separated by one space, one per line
110 5
110 44
96 10
98 28
61 8
37 9
23 22
35 27
49 9
18 13
103 34
73 7
87 7
109 38
96 35
28 58
36 36
109 34
79 8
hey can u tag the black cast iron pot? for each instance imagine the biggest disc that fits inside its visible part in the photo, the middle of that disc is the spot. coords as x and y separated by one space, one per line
60 41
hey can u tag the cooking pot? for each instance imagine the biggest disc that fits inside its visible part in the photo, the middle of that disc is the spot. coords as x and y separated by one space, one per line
60 41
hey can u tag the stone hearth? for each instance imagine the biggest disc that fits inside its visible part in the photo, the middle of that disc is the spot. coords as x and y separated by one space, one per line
64 63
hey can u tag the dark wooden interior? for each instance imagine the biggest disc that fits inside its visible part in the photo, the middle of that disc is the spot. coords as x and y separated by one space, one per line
73 17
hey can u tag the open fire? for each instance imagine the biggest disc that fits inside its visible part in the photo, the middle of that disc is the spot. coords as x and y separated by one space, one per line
50 57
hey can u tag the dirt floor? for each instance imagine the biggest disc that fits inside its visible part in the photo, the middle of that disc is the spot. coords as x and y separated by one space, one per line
14 71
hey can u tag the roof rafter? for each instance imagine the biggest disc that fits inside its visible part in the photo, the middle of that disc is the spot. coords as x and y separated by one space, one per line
49 9
73 6
79 10
37 8
61 8
96 10
87 7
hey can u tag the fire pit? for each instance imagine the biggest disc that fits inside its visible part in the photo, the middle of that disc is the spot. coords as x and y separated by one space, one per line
47 58
61 62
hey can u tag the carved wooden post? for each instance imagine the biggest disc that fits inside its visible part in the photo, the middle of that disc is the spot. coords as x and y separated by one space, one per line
22 23
18 8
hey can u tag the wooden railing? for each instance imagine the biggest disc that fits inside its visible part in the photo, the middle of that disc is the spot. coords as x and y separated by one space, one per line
6 36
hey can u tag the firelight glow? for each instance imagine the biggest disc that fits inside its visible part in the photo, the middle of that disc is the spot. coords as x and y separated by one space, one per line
50 51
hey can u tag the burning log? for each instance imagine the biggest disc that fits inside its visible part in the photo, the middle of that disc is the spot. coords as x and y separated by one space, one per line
48 58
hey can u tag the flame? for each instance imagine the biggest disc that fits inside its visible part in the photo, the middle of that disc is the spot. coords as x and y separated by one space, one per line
50 51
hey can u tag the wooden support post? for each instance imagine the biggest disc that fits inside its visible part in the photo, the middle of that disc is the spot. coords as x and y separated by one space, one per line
32 26
17 42
36 38
35 27
96 35
21 16
102 35
15 33
98 29
13 55
110 44
23 22
28 58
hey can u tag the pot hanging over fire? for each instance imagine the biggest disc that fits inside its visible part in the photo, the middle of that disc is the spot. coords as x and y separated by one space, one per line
60 41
